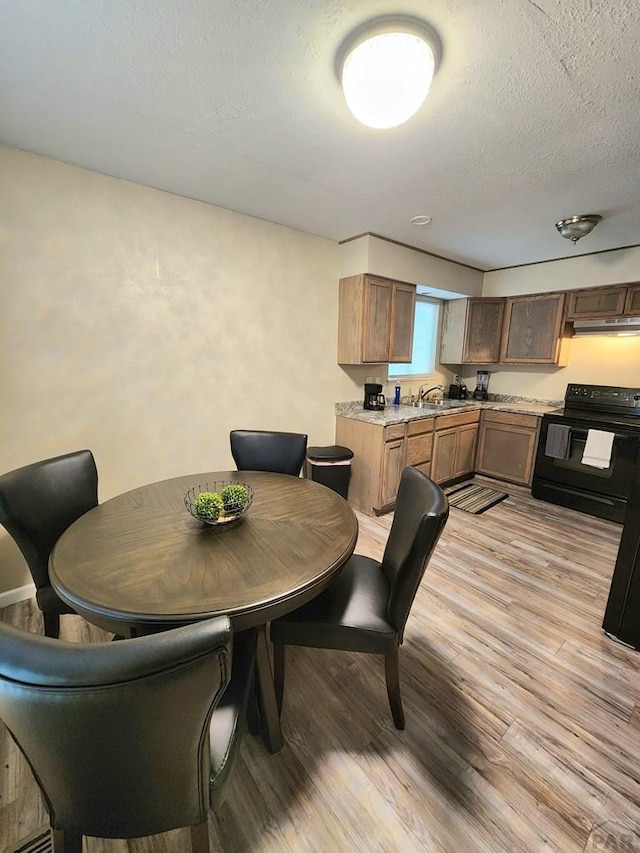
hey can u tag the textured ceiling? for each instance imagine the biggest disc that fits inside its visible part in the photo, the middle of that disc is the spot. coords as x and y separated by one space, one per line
534 115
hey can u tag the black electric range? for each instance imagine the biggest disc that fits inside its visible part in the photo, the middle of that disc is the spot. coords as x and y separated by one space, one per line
566 475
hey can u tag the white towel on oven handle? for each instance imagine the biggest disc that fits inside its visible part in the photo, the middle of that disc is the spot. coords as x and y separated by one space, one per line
597 448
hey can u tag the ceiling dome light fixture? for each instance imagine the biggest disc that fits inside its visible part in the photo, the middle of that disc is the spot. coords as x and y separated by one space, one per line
575 227
386 67
420 220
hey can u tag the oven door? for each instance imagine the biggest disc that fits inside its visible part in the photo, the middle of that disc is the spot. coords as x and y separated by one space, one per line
569 482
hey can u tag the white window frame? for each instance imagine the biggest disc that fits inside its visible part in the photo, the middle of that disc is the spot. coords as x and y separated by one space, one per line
395 370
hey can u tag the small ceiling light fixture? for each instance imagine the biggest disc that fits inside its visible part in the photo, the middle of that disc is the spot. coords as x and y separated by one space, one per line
420 220
575 227
386 67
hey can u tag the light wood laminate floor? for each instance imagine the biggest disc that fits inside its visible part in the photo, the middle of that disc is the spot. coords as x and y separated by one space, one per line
523 718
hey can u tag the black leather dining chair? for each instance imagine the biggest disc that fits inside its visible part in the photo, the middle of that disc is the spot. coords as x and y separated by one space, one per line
37 504
366 606
261 450
128 739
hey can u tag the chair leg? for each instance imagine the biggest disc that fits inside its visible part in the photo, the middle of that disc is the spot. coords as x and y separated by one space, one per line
66 842
278 673
200 837
253 713
52 625
392 675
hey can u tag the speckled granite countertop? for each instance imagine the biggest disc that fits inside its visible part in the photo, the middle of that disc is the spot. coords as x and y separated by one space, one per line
401 414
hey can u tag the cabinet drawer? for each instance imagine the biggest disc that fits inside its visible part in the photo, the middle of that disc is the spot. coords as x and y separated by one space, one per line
419 426
449 421
394 431
419 448
511 418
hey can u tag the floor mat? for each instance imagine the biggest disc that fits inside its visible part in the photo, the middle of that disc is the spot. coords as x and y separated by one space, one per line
470 497
39 841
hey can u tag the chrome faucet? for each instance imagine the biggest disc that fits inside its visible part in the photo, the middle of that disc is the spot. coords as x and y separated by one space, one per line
422 394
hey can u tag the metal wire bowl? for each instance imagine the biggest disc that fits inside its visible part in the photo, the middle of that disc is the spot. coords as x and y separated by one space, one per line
233 506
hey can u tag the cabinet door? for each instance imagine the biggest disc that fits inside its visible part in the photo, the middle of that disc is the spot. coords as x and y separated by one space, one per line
403 308
377 320
632 305
465 450
454 319
532 329
507 451
592 303
483 331
443 462
392 467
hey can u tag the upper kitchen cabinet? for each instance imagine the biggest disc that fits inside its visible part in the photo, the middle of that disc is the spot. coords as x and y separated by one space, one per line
375 320
596 302
533 330
471 330
632 305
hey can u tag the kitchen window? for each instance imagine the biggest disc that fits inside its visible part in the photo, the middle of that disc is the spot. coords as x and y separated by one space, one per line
425 339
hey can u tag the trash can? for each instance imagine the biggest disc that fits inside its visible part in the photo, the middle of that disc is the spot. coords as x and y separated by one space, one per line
330 466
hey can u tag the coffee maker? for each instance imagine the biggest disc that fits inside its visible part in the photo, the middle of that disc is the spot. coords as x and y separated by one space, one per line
482 383
373 397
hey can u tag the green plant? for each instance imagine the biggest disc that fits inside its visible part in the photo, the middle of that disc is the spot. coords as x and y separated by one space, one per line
235 498
209 505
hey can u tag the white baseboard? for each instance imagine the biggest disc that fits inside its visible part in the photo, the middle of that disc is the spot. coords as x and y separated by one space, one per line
20 593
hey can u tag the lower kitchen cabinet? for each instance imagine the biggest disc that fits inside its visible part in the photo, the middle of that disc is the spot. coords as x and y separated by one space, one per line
454 445
378 461
443 447
466 450
443 464
507 446
419 444
380 456
393 457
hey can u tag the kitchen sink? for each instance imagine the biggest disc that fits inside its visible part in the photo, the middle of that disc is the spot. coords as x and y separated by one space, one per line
441 404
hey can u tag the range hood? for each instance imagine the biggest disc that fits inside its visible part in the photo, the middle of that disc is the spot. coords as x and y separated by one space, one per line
612 326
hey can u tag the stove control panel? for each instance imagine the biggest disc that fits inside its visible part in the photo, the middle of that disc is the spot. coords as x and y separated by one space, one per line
607 397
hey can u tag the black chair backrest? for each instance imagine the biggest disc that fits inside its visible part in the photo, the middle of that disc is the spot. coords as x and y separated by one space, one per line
258 450
38 503
117 733
420 515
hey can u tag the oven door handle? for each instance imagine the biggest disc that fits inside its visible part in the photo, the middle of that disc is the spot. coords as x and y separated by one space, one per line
582 433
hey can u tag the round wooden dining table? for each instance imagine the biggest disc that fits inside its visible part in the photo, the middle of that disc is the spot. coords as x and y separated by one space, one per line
141 563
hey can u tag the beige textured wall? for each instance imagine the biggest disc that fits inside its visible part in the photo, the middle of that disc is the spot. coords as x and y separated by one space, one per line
597 360
145 326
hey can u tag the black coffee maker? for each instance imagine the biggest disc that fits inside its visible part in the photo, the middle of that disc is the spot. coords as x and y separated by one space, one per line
373 397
